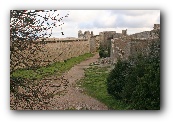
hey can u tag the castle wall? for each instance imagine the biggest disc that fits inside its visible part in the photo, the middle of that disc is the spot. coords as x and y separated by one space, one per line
97 40
55 49
52 51
120 49
125 46
106 37
92 44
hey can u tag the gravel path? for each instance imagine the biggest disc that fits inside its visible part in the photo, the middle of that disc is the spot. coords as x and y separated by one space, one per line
74 99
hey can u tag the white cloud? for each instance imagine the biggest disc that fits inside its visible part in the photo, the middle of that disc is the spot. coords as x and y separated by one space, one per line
106 20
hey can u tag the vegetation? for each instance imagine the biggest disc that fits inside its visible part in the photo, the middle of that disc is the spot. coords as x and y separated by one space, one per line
104 51
94 84
27 91
58 68
26 26
137 81
132 84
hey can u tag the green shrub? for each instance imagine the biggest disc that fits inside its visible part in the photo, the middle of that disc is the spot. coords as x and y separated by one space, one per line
95 85
136 81
147 92
104 51
116 79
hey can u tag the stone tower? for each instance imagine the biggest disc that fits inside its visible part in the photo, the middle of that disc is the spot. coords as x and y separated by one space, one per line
80 34
124 32
91 33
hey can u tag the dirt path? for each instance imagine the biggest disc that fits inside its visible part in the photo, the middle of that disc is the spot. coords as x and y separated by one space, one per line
73 99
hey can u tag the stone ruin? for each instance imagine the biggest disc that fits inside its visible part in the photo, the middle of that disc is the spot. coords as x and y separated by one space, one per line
125 46
60 49
122 44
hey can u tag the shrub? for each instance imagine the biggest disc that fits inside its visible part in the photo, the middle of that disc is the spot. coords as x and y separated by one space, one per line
104 51
116 79
136 81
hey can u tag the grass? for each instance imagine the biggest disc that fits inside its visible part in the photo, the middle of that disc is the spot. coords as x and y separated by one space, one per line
94 84
55 68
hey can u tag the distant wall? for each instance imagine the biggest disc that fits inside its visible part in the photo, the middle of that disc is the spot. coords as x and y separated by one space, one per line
92 44
63 50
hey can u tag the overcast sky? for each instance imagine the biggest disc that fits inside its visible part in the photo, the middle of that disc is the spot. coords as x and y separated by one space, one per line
106 20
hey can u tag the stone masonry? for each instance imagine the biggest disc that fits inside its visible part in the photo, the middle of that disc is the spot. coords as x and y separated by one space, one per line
127 45
122 46
53 50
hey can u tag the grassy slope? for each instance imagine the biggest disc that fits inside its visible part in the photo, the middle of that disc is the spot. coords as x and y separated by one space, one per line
58 68
94 84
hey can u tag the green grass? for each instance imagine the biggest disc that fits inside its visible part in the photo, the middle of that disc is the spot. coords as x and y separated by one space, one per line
94 84
56 68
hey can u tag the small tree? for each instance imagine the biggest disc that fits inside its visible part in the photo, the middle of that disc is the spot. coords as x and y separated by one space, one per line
26 26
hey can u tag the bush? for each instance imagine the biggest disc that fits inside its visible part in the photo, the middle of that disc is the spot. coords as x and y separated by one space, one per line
147 93
116 79
104 51
136 81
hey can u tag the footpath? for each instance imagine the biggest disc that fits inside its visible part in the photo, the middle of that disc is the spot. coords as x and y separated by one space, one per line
74 98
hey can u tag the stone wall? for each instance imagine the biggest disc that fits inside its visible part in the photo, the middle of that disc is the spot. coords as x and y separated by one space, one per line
102 39
92 44
120 49
52 50
106 37
66 49
56 49
125 46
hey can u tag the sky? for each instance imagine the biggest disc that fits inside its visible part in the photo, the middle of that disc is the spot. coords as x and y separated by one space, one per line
106 20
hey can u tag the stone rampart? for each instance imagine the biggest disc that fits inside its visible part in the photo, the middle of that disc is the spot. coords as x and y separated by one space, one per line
51 50
60 49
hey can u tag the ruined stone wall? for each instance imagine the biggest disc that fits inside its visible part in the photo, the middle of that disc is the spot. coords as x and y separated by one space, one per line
140 46
120 49
97 39
145 35
51 51
125 46
80 34
156 26
92 44
106 37
101 37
